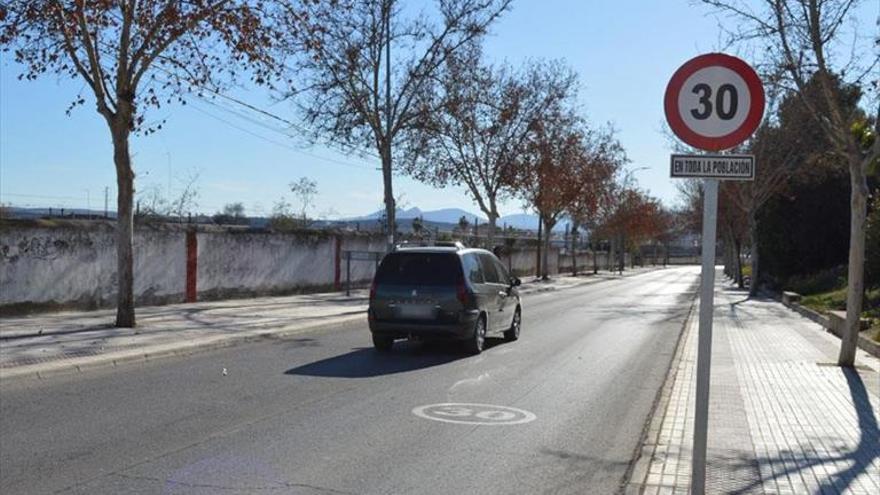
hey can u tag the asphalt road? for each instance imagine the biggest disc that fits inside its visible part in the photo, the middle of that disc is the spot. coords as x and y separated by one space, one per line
324 413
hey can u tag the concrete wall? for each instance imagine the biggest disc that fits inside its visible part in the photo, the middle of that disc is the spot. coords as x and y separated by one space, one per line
76 266
73 264
584 262
242 263
523 262
45 266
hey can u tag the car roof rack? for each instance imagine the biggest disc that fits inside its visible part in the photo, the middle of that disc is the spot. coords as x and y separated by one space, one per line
458 245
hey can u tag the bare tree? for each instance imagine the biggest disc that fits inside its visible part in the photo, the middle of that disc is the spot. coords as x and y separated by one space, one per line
305 189
131 55
483 124
800 38
357 95
234 210
233 213
186 200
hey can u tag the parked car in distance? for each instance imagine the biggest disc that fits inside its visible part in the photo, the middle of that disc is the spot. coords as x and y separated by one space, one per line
443 293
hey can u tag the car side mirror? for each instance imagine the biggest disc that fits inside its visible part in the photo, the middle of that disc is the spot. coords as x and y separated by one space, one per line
515 282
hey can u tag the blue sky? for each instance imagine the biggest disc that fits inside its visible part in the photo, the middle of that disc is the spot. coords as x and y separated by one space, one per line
624 50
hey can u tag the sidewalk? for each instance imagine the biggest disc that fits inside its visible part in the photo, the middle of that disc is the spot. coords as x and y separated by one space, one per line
783 419
45 344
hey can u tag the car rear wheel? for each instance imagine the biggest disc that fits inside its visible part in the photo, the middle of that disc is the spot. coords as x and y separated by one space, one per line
477 341
382 344
513 332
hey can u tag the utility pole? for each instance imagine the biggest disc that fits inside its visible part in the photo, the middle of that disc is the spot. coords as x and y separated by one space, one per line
106 201
390 206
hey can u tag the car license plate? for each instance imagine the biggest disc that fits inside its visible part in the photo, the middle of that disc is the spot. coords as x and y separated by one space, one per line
416 311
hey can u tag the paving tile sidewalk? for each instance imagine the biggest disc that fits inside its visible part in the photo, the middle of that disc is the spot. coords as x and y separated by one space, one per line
42 344
782 418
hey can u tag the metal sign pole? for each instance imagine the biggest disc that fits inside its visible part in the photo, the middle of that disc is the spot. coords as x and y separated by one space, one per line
704 345
347 273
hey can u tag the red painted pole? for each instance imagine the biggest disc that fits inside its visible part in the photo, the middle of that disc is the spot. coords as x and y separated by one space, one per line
192 257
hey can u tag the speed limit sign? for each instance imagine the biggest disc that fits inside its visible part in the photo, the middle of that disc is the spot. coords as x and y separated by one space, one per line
714 102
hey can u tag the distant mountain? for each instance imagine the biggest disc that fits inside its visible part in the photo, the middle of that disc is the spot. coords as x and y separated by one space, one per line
400 213
527 221
445 215
452 215
522 221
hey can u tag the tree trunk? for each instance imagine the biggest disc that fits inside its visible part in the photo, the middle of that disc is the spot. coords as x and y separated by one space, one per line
538 261
390 206
574 268
595 260
124 228
737 265
612 254
856 274
490 230
545 269
753 255
730 255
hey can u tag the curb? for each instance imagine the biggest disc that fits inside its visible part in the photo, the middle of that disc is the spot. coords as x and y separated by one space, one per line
634 480
864 343
89 363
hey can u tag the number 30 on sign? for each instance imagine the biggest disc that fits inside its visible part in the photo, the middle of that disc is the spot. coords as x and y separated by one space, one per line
714 102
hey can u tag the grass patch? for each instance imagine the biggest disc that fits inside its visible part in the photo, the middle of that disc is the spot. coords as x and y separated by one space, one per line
821 282
836 300
826 301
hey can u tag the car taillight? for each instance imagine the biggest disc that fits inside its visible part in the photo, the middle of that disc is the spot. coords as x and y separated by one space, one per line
462 293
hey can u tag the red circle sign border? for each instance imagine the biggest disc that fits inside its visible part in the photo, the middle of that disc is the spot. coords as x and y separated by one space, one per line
749 125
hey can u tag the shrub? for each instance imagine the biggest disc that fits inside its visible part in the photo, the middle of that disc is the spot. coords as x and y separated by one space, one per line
872 244
821 281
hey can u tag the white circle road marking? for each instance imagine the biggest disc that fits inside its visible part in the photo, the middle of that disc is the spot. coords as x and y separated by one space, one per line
474 414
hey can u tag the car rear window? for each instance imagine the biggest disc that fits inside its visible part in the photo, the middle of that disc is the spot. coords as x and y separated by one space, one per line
419 269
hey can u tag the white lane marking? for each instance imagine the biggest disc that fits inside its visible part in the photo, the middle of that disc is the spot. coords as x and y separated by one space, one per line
474 414
469 381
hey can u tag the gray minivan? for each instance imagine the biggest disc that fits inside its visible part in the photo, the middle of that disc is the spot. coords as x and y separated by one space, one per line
443 293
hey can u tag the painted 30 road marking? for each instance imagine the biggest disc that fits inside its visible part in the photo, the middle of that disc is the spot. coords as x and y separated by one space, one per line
474 414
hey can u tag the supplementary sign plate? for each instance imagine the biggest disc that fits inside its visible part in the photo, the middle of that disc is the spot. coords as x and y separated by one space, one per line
724 167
